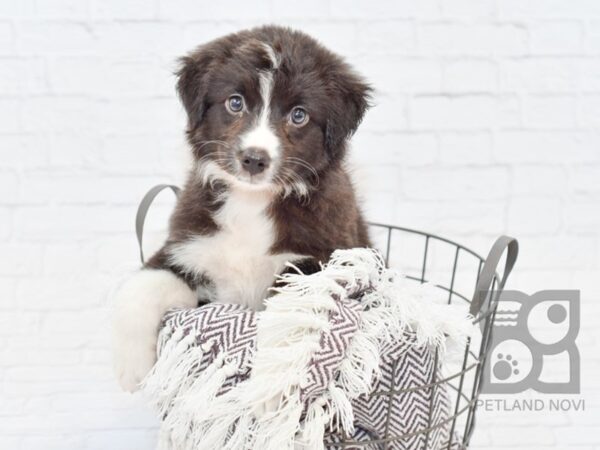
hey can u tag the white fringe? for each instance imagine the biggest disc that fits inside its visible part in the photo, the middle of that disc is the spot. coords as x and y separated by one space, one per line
265 410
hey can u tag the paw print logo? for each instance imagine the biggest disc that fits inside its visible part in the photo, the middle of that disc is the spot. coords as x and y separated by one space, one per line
505 367
533 339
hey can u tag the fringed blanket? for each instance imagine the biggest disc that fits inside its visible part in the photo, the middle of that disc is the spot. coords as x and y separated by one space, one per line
314 368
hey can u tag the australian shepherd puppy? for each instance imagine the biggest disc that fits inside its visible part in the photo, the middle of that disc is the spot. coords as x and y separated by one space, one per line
269 115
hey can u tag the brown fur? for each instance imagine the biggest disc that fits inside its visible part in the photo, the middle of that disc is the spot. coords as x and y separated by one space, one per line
308 74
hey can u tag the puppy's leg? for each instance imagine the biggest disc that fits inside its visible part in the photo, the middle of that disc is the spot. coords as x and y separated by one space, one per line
140 305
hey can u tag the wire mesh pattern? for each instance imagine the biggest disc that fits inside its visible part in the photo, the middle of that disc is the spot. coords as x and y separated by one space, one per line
457 271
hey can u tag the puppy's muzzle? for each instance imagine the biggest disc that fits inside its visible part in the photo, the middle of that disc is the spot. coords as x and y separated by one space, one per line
255 160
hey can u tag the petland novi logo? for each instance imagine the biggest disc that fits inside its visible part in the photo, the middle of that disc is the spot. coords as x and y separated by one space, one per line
533 344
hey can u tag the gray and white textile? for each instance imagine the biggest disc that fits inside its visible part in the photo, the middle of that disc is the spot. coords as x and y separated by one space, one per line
317 364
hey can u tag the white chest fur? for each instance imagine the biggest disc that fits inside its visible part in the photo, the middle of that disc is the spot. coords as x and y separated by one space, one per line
237 258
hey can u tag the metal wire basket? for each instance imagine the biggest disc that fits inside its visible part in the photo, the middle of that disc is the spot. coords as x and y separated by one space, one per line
464 276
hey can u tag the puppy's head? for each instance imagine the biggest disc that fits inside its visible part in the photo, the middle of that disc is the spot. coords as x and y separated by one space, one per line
269 108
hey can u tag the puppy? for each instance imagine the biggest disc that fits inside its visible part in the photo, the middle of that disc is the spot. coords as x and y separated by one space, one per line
269 115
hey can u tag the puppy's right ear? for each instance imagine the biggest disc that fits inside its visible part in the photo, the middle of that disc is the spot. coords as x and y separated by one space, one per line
192 85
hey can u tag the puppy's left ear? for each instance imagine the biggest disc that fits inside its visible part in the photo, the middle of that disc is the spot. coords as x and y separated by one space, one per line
354 96
192 84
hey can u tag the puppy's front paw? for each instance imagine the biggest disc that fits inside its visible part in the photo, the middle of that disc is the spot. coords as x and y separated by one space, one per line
133 360
139 307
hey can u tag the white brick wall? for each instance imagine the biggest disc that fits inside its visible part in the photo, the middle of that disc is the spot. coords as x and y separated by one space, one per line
487 121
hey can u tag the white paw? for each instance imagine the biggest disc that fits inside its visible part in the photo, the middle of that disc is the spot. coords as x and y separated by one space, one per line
139 307
134 357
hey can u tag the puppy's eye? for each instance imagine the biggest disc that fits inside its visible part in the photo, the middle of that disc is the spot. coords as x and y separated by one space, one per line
235 104
298 116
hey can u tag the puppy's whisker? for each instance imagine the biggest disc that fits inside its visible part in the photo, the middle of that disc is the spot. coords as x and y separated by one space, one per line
307 166
201 144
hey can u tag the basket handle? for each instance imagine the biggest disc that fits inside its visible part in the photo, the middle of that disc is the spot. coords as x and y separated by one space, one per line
142 211
488 272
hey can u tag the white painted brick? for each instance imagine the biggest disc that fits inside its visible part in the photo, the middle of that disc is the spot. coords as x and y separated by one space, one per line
130 154
397 74
470 76
585 179
466 148
583 216
22 76
464 112
312 9
5 223
540 180
534 216
121 254
10 111
555 9
8 287
123 439
197 33
137 116
403 149
338 36
19 151
441 183
464 219
592 37
224 10
97 77
62 9
10 441
510 437
85 188
76 322
66 223
7 39
478 39
119 10
43 38
387 114
18 323
459 9
553 112
9 187
139 39
23 356
576 435
589 75
539 74
556 38
17 10
20 259
59 115
557 252
386 37
509 113
71 150
589 113
529 146
64 292
52 442
385 9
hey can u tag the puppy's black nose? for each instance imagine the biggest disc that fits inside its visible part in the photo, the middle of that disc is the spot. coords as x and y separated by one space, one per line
255 160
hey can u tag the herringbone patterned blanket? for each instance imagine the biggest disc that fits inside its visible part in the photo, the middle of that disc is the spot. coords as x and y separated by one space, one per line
316 368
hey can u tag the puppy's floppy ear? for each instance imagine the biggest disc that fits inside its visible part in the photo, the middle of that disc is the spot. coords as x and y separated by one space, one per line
353 96
192 84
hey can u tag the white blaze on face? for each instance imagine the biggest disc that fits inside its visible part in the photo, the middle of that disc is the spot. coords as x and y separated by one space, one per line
262 135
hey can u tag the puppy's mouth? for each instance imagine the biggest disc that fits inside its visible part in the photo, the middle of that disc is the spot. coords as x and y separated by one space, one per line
243 170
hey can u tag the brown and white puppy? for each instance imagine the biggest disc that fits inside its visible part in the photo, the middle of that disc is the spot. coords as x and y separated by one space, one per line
269 114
